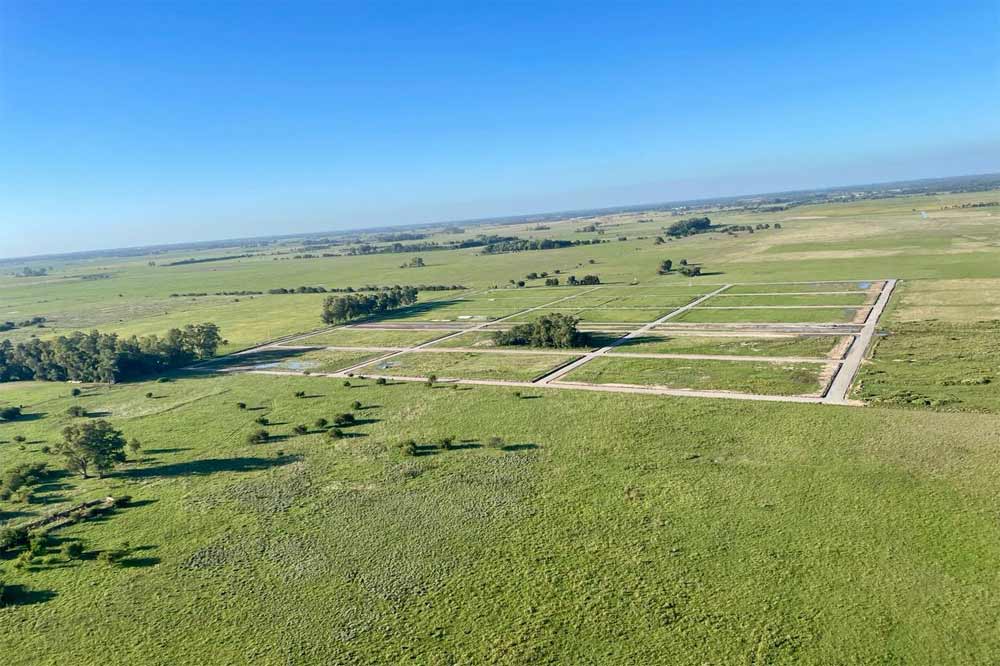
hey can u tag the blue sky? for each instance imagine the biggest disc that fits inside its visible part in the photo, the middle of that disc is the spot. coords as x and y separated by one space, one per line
137 122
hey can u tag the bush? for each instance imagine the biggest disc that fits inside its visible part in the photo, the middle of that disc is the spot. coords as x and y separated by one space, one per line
114 556
496 442
12 538
431 380
356 405
76 411
75 392
335 433
38 544
149 394
320 423
380 381
300 429
345 419
258 437
72 549
300 394
134 446
241 406
20 439
347 383
447 443
517 394
262 420
408 448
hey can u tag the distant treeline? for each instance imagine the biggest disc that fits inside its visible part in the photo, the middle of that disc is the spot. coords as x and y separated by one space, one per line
11 325
205 260
689 227
338 309
322 290
104 357
491 244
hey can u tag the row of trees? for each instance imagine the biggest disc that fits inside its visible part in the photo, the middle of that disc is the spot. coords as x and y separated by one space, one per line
105 357
553 330
688 227
337 309
521 244
319 289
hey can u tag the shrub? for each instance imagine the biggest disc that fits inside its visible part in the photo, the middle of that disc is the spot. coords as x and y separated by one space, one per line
380 381
12 538
114 556
300 394
320 423
496 442
76 411
347 383
262 420
241 406
408 448
134 446
258 437
344 419
38 544
335 433
300 429
431 380
356 405
20 439
517 394
149 394
447 443
46 449
75 392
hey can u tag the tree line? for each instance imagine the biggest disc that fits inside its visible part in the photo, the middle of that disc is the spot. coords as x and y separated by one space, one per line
319 289
338 309
105 357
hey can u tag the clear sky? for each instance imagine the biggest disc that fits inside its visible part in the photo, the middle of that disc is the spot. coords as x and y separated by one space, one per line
127 123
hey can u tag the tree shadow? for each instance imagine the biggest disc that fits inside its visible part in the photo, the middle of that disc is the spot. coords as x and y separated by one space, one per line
415 309
209 466
33 416
177 449
97 414
19 595
135 562
465 446
519 447
311 396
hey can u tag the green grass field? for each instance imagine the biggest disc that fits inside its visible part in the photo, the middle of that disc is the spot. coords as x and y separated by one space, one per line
607 528
469 365
723 300
366 337
741 376
818 346
767 316
673 511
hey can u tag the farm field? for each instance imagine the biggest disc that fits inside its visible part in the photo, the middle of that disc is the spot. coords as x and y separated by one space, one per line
606 527
815 346
723 300
468 365
765 315
368 337
758 377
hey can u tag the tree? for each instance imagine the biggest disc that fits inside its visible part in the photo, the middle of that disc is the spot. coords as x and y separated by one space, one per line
241 406
345 419
134 446
356 405
554 330
76 411
75 392
590 279
335 433
380 381
93 444
73 549
666 266
300 429
690 270
552 282
320 423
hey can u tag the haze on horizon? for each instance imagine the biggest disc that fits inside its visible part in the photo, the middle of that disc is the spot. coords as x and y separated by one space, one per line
132 124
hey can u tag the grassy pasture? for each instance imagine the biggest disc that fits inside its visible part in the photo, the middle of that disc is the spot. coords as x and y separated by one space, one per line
803 346
786 299
469 365
740 376
367 337
700 315
326 544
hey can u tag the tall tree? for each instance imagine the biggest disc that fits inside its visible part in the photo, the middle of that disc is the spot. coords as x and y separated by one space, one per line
90 445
